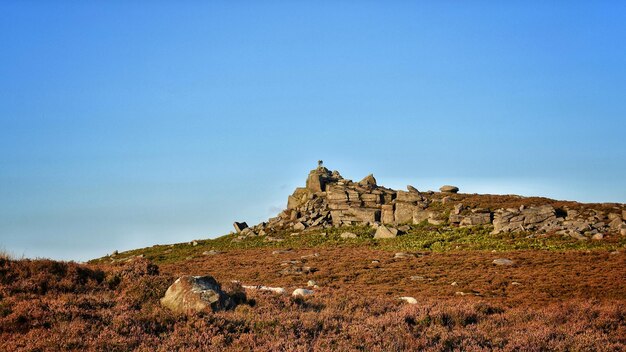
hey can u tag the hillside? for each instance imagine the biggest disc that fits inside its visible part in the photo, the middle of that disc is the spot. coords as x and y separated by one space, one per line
371 269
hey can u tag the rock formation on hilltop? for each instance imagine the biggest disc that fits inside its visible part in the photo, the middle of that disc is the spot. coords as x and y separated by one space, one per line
331 200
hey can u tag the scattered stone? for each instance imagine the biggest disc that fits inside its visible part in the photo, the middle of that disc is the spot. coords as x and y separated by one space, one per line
240 226
385 232
301 292
375 261
409 300
311 283
515 283
577 235
195 294
314 255
503 261
281 251
433 221
278 290
404 228
273 239
348 235
211 252
403 255
597 237
449 189
454 284
194 243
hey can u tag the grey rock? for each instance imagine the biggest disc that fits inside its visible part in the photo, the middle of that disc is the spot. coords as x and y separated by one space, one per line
412 189
301 292
387 214
449 189
503 261
577 235
369 181
385 232
348 235
195 294
476 219
409 197
211 252
404 212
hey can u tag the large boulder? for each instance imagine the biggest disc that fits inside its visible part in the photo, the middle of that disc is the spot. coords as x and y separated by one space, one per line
190 294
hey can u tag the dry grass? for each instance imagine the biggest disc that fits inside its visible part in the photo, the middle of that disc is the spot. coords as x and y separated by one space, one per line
569 300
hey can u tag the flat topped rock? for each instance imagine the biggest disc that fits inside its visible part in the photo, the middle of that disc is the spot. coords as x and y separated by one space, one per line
449 189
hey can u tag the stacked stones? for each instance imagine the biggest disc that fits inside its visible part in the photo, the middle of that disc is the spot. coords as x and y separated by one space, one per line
330 200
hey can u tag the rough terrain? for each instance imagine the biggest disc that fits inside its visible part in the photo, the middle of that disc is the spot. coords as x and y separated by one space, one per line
348 266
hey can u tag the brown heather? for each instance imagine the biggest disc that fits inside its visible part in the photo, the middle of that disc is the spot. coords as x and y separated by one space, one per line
549 300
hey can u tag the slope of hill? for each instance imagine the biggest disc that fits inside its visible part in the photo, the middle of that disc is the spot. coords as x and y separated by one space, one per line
386 270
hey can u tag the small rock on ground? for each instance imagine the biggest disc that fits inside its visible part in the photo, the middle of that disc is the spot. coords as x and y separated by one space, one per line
301 292
503 261
409 300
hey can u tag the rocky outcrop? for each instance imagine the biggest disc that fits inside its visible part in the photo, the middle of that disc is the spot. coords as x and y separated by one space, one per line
534 218
329 200
195 294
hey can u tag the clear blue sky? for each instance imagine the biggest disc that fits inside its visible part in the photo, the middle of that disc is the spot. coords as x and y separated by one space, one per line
128 123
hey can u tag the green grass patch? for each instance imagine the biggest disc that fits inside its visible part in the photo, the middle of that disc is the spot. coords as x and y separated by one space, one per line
421 237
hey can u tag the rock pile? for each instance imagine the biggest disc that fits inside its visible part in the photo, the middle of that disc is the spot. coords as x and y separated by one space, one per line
329 200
